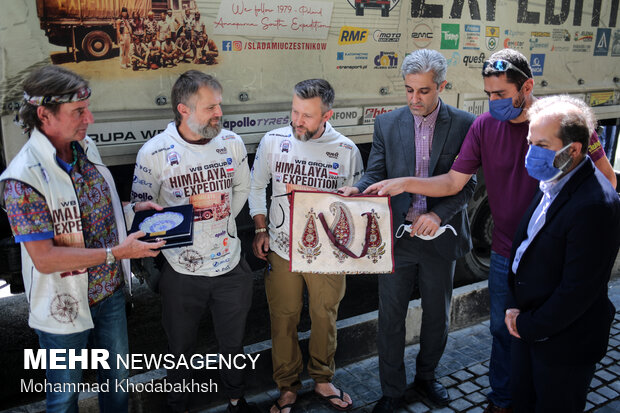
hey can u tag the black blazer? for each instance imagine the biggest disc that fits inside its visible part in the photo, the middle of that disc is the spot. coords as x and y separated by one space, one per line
561 283
393 156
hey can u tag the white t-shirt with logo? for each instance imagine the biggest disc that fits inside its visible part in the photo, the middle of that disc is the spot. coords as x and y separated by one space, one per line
325 164
214 178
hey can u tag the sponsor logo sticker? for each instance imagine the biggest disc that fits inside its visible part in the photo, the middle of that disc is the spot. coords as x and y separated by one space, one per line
474 61
615 44
514 44
450 36
454 59
173 158
333 155
536 43
583 40
352 35
285 146
537 63
386 60
386 37
492 31
584 36
422 35
561 35
601 45
472 37
351 56
602 98
371 113
492 37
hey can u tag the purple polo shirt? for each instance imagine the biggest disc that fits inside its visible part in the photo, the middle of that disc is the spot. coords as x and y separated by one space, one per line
500 148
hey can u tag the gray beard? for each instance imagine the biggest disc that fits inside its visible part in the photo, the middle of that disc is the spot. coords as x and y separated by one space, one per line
207 132
304 138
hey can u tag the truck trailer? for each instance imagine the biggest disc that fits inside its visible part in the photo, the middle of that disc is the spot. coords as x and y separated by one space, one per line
264 47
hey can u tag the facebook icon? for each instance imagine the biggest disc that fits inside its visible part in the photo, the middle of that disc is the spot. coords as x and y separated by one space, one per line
227 45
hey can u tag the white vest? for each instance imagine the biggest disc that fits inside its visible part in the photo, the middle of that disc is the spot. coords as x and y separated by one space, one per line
58 304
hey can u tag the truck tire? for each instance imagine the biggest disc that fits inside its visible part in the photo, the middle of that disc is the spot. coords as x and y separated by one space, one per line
474 266
359 9
385 10
96 45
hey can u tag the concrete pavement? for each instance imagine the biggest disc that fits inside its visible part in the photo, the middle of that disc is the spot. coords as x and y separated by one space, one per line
463 371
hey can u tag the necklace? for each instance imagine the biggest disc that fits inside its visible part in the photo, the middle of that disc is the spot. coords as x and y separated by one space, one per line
75 155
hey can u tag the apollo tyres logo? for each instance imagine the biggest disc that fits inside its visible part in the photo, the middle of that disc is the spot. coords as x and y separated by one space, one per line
352 35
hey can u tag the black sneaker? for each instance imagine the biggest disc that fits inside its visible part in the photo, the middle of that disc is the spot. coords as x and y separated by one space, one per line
387 404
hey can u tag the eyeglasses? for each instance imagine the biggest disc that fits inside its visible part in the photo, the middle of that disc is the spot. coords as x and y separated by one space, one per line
502 66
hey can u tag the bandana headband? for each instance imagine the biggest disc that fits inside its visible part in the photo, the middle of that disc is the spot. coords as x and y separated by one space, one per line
81 94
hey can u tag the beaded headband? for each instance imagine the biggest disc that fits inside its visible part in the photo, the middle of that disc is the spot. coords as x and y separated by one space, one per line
80 94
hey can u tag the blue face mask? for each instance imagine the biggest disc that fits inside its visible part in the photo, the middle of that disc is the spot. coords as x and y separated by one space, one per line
539 162
502 109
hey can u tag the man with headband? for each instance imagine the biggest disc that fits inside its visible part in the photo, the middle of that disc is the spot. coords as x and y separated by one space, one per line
497 142
63 208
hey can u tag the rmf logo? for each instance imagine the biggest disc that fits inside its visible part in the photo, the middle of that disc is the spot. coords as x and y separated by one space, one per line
352 35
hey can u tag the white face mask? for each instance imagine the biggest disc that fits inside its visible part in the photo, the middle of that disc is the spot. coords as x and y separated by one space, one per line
401 231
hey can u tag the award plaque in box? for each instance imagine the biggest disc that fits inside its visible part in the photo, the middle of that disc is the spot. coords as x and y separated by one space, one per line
173 224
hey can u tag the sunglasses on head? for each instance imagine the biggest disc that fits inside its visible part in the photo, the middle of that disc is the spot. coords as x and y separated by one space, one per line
502 66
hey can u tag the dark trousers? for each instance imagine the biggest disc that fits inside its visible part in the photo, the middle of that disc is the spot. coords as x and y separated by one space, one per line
184 300
415 259
538 386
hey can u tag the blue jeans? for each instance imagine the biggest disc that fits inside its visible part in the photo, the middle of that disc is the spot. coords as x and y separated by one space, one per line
110 333
499 368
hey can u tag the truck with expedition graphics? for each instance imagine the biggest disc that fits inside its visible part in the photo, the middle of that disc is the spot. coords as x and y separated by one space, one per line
260 48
